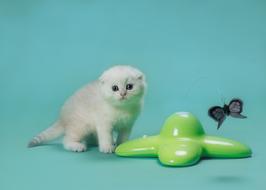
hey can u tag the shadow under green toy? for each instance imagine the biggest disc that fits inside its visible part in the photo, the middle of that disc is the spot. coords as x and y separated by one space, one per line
182 142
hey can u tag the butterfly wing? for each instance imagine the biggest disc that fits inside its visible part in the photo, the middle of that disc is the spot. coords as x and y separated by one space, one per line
238 115
217 113
235 108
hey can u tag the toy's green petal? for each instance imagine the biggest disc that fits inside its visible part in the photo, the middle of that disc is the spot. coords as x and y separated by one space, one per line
224 148
180 153
146 146
182 124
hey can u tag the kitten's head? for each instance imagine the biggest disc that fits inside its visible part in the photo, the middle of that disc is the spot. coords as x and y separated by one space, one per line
122 85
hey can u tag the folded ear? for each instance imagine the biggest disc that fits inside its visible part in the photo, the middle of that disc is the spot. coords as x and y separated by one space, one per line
140 76
101 79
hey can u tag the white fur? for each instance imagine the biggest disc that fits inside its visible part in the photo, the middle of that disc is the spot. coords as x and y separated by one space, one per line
96 111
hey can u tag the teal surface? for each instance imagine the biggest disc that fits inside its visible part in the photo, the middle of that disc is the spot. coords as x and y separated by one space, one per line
193 52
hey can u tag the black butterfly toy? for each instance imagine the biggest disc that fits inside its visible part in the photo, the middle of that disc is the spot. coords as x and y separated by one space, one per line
234 109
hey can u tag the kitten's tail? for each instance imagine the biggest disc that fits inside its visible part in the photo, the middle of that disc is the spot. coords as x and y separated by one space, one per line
49 134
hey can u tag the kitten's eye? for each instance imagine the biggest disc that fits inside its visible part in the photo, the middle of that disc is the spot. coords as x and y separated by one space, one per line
129 86
115 88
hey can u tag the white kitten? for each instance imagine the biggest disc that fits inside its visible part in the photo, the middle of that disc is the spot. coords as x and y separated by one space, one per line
110 104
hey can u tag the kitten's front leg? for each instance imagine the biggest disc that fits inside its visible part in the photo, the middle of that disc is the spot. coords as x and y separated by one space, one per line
73 142
123 135
105 139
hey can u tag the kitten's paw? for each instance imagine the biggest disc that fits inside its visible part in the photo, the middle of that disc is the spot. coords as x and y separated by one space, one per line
75 147
107 148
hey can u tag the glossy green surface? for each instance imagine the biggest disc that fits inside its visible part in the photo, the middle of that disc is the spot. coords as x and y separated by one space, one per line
182 142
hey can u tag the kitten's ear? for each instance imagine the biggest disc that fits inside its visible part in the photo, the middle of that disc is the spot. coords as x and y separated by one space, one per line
140 76
101 79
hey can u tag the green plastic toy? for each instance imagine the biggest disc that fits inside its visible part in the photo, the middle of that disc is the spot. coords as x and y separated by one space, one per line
182 142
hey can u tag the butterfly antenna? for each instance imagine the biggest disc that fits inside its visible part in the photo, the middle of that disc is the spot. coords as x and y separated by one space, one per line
198 80
221 95
195 82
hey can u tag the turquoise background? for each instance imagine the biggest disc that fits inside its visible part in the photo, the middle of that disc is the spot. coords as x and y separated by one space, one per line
193 53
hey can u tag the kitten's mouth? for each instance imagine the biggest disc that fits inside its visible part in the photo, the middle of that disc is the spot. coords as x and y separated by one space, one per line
122 98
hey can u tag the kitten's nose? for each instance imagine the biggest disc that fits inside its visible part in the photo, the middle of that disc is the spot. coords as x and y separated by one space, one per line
123 94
